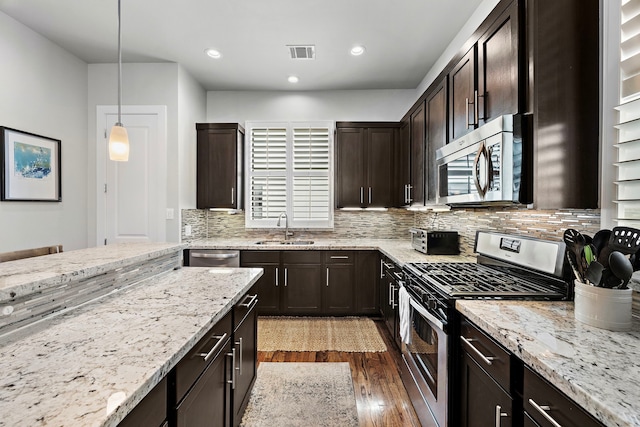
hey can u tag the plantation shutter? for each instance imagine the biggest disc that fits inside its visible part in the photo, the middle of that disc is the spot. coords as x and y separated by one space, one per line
290 171
628 143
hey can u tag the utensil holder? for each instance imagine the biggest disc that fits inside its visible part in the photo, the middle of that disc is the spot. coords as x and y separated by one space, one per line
603 308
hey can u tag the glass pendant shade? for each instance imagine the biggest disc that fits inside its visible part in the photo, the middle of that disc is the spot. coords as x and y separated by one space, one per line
119 143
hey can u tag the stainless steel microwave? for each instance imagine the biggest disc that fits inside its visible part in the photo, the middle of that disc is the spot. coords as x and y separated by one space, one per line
484 166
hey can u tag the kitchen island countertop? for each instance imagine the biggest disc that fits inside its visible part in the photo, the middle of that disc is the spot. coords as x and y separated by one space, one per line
91 365
398 250
598 369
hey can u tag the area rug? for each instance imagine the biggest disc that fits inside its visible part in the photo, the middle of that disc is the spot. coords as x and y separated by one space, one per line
291 394
350 334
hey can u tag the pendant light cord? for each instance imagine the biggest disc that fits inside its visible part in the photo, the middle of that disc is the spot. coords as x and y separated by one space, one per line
119 67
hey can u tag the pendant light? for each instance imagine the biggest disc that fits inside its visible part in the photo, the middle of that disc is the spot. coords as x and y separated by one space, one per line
118 138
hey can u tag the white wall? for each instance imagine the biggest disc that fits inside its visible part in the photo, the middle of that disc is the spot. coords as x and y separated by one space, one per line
339 105
44 91
192 106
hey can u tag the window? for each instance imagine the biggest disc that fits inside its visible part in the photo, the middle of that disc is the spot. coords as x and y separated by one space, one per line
290 170
627 198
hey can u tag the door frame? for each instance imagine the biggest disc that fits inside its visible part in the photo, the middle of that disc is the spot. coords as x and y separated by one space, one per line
101 163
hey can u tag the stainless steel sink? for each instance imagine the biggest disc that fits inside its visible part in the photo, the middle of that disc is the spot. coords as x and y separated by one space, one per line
285 242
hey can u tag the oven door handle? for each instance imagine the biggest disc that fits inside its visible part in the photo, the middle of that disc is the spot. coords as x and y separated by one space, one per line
424 313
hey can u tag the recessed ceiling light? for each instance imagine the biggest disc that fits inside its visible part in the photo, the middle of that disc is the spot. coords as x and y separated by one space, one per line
213 53
357 50
293 79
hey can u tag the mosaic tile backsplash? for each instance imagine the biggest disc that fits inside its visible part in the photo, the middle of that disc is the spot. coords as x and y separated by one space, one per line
395 223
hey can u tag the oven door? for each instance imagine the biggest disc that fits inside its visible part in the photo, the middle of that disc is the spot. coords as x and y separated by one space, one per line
426 359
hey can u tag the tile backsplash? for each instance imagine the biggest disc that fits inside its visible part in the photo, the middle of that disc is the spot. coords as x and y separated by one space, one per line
395 223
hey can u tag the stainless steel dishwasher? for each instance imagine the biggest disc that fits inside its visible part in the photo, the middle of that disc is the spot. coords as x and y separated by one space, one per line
214 258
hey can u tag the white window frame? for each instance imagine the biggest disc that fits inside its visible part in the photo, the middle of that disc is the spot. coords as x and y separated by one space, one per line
293 223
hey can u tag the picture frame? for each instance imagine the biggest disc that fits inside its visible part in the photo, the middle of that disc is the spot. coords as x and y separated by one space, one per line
29 166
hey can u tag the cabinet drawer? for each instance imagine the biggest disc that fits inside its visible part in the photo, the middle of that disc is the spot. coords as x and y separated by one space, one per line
259 257
494 359
243 307
302 257
540 397
202 354
339 257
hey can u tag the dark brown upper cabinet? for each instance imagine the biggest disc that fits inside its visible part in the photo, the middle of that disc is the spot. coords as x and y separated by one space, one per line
498 67
402 165
462 95
219 165
364 163
484 82
418 149
436 134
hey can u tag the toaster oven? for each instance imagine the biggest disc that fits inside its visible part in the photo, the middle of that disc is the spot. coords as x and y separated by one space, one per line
435 242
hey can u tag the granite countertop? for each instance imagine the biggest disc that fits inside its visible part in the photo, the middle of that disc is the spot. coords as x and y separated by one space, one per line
598 369
398 250
91 365
26 276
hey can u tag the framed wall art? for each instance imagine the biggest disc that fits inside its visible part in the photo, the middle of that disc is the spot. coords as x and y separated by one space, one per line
30 166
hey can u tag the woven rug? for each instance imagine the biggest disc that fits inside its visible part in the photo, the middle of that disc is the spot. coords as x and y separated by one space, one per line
350 334
302 394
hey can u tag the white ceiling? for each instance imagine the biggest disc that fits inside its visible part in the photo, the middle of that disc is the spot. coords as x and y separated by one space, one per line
403 38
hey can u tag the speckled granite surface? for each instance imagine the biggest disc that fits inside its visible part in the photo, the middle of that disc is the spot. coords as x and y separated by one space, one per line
90 366
598 369
26 276
399 250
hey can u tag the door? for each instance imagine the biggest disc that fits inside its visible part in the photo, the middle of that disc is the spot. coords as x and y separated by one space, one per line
217 168
379 161
418 155
462 94
338 289
302 288
350 167
402 165
134 205
498 67
436 128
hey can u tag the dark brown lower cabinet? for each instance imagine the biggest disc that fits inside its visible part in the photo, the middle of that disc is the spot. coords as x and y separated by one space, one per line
244 354
268 285
367 279
207 402
339 283
484 402
152 411
544 404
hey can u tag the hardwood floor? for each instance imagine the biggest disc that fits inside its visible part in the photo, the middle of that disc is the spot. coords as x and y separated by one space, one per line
380 395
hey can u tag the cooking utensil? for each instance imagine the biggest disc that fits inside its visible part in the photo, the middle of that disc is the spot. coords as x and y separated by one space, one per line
589 254
621 268
571 259
594 273
575 244
625 240
601 242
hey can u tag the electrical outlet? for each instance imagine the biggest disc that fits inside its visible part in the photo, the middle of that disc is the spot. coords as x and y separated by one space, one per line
169 213
187 230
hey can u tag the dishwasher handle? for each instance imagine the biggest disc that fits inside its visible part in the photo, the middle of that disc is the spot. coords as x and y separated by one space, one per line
213 256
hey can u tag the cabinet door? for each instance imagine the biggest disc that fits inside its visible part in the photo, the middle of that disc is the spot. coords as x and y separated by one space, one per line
151 411
498 67
245 341
402 165
462 90
207 403
339 289
367 278
302 288
483 402
350 171
379 154
216 168
418 146
436 128
268 285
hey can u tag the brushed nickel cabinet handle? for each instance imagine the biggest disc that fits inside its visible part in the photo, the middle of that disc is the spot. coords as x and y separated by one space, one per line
543 411
486 359
277 277
369 195
232 381
500 415
232 196
240 350
327 277
285 277
361 195
213 350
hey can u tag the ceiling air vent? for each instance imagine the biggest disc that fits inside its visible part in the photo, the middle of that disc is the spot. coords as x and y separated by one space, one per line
302 52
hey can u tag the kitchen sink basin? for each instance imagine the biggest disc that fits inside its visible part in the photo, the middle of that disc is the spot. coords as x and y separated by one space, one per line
285 242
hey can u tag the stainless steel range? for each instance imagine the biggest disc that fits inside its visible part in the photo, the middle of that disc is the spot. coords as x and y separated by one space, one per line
508 267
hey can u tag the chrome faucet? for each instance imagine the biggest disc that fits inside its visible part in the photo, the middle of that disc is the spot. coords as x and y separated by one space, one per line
287 233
